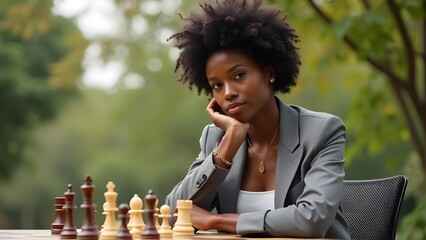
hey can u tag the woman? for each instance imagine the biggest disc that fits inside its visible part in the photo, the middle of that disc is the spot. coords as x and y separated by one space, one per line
266 167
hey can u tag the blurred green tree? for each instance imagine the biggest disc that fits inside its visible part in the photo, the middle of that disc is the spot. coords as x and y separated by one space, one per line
40 57
393 43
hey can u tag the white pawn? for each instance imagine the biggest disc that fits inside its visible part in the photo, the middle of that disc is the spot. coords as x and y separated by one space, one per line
183 225
136 224
165 228
109 230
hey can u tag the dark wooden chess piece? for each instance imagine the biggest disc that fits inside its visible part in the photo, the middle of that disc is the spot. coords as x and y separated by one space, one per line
123 232
69 231
150 231
59 219
89 229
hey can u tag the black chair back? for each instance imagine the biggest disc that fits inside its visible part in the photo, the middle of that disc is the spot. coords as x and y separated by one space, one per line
371 207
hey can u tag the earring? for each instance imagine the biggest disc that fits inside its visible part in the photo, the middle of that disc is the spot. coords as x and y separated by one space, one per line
272 80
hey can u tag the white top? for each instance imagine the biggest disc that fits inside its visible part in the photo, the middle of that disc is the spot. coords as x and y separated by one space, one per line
255 201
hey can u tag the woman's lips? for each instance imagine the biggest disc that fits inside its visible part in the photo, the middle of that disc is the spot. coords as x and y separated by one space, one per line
234 107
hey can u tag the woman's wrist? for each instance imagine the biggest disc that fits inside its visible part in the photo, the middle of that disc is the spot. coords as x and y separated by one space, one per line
221 159
224 222
236 134
224 153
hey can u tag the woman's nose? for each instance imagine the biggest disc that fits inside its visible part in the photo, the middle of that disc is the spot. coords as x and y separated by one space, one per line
230 91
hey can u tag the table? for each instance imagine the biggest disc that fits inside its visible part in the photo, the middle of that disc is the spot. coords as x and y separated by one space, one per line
28 234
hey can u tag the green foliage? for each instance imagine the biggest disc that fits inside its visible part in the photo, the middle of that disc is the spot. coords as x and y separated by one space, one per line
380 123
375 119
26 97
413 226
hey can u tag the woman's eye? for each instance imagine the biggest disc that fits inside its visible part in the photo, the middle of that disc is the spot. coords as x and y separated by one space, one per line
215 85
240 75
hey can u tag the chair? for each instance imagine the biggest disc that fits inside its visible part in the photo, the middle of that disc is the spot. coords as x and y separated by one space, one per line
371 207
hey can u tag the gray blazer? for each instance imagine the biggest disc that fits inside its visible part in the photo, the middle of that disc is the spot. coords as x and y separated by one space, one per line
309 178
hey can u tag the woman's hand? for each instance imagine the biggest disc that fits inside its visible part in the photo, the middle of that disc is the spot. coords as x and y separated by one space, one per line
201 219
205 220
223 121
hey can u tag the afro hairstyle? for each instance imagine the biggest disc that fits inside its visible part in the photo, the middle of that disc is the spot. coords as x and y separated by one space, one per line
259 32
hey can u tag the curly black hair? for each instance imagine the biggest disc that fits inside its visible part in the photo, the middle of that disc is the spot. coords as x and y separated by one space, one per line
261 33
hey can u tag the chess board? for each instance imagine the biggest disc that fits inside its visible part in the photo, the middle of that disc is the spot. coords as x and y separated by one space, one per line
26 234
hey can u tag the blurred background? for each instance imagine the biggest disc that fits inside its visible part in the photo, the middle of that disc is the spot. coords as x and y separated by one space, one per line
89 88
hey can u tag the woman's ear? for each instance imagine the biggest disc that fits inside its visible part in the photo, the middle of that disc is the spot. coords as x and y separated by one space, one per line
270 73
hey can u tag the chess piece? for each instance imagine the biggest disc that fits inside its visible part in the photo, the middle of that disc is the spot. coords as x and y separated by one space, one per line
165 228
157 224
150 231
69 231
136 224
123 232
183 225
59 219
89 229
109 229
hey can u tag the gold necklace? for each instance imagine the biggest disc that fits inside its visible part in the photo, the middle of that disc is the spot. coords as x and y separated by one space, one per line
261 163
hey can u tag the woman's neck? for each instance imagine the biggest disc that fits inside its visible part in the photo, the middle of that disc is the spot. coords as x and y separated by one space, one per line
264 126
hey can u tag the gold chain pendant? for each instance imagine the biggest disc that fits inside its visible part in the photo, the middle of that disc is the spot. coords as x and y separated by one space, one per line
261 167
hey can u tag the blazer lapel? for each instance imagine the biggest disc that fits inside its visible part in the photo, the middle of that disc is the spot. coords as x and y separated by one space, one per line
230 188
289 153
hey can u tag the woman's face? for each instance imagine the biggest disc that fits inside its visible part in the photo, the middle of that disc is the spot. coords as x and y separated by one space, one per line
240 86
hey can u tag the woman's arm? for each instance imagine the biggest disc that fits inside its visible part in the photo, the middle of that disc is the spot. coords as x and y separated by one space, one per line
207 172
203 177
205 220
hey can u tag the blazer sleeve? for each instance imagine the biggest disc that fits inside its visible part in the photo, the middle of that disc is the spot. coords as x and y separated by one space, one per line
203 177
315 208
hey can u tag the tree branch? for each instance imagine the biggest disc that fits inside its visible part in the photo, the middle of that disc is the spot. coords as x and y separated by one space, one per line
424 62
379 66
320 12
398 84
415 135
418 102
409 50
423 104
366 4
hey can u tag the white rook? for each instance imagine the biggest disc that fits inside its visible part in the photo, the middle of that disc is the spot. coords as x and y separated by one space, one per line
183 225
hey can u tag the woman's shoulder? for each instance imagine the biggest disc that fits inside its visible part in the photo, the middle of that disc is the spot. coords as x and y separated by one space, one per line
292 111
304 112
310 115
316 128
309 121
